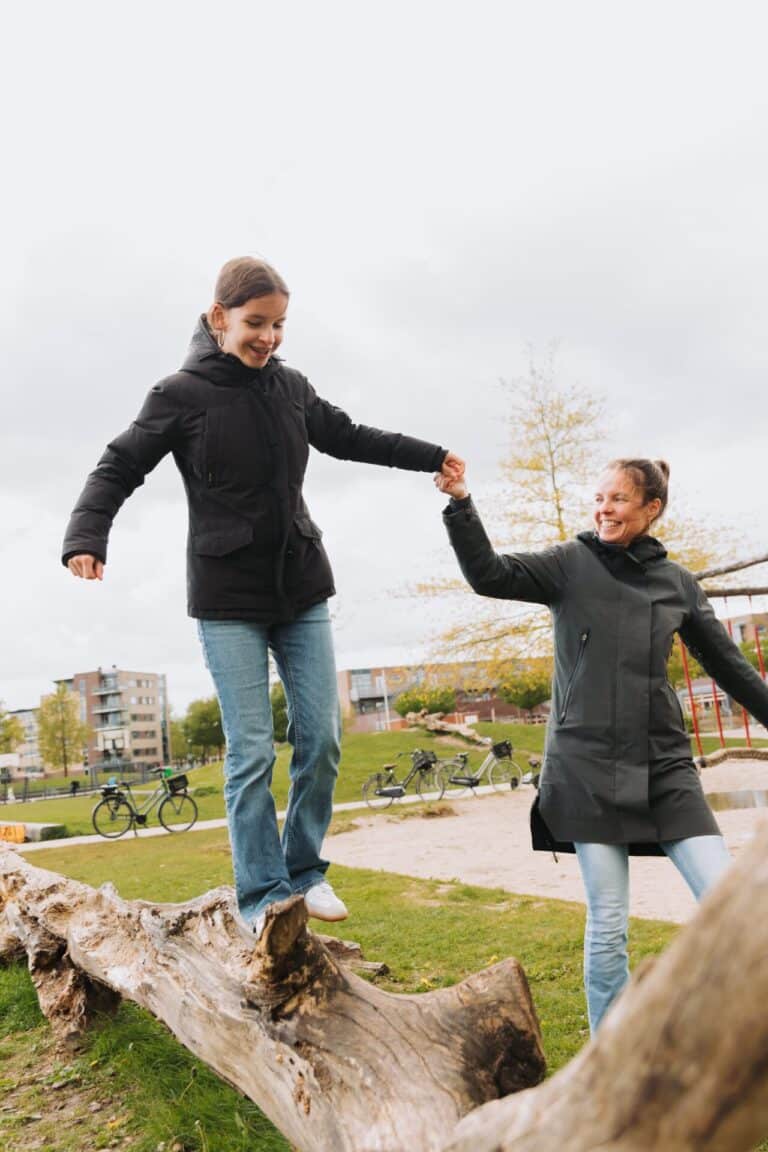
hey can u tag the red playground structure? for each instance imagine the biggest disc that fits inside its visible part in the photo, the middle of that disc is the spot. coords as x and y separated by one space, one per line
711 702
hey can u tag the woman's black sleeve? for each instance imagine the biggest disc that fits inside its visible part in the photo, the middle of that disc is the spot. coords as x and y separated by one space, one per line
707 640
127 460
536 577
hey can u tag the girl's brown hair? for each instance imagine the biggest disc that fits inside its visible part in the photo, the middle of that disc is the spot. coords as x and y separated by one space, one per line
651 476
246 278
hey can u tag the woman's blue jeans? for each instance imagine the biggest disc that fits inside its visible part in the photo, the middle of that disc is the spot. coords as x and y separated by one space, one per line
267 868
701 860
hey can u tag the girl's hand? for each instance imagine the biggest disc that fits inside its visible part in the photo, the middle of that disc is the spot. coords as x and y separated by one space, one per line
451 486
86 566
453 467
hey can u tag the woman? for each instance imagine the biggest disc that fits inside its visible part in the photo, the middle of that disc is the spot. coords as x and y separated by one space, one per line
618 777
239 423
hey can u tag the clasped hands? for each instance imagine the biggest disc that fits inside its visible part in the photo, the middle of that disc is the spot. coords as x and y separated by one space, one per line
451 479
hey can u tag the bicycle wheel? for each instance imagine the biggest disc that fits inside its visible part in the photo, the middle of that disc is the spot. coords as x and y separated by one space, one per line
430 783
378 780
505 774
177 812
449 768
112 817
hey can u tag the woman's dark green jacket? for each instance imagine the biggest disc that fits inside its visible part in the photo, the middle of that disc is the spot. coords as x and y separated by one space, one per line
618 766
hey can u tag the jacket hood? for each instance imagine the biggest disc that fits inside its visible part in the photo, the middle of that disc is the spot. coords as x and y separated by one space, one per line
643 550
205 358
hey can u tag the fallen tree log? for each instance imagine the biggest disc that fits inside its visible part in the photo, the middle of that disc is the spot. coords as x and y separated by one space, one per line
335 1062
679 1065
681 1062
434 722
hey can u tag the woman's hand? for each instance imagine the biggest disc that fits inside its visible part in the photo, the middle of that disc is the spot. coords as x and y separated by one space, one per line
86 566
453 466
451 486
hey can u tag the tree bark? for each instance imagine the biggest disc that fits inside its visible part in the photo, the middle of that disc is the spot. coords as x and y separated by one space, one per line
681 1062
335 1062
434 722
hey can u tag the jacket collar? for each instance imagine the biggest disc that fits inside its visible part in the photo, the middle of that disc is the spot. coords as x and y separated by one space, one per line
205 358
643 550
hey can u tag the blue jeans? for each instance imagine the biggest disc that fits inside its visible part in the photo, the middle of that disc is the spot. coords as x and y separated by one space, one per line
267 869
701 860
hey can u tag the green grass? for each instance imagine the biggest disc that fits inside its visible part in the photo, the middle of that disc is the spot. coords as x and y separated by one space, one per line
362 754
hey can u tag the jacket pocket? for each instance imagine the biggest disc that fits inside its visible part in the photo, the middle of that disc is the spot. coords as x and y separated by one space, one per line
583 641
306 527
222 541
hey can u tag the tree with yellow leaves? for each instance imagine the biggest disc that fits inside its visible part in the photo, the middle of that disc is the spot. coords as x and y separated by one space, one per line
558 434
62 734
11 731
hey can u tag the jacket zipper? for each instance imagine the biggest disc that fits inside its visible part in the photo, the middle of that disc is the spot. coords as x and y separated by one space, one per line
569 687
209 448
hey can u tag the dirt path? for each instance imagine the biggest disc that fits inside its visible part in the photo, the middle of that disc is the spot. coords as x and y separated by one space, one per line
486 841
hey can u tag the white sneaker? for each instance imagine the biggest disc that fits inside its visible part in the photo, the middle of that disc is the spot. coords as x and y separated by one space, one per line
323 903
251 932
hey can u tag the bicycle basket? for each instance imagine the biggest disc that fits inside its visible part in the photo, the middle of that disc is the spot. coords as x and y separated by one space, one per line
425 759
502 750
177 784
109 790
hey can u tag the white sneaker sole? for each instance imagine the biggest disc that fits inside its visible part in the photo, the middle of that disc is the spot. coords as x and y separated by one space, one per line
328 917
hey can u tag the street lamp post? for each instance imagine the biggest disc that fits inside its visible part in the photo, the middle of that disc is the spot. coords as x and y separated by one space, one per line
381 684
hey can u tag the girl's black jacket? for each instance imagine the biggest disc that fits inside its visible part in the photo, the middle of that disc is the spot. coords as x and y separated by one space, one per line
240 438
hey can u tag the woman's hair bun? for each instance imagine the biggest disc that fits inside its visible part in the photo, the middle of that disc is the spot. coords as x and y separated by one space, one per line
664 467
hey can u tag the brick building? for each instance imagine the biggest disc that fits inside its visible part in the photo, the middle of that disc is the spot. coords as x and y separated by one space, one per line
368 695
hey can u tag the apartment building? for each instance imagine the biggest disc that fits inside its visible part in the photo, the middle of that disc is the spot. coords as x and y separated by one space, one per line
27 754
128 712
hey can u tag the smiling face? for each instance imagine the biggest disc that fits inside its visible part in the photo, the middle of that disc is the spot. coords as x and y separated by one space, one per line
621 512
253 331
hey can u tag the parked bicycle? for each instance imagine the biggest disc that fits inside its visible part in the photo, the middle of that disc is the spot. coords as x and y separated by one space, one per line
383 787
498 768
118 812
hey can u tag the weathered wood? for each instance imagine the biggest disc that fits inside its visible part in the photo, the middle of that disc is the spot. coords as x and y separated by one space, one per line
681 1062
434 722
335 1062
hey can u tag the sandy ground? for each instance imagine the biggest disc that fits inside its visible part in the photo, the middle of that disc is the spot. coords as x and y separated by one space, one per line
487 842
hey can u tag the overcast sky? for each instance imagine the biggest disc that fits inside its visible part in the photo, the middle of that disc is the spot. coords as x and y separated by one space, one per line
440 185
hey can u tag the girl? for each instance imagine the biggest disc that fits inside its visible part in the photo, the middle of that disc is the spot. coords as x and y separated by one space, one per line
239 423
